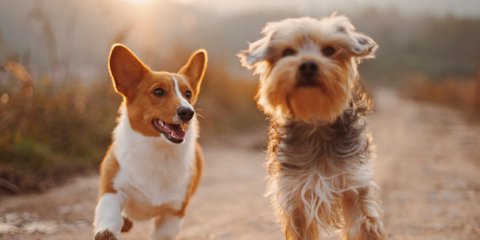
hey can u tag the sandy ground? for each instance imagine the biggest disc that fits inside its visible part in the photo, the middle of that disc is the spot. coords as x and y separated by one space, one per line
427 166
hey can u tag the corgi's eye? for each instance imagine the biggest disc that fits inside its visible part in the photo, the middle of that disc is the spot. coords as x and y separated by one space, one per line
188 94
158 92
288 52
328 51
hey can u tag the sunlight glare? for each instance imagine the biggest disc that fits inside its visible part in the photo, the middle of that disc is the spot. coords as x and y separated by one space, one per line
145 2
139 2
184 1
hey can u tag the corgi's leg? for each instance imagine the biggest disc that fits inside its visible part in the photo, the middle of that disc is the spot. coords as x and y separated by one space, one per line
108 217
166 227
127 224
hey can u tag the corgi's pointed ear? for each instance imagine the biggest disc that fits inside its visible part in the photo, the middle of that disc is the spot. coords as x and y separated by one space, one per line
126 69
195 69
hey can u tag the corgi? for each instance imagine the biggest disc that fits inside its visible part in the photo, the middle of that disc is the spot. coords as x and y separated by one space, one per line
154 165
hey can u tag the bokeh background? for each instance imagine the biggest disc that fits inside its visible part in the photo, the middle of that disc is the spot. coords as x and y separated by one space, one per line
58 108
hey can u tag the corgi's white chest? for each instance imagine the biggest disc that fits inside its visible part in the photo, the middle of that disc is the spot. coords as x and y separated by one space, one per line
154 182
153 170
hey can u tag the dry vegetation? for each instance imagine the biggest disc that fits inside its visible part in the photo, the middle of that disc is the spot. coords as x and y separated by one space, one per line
458 93
50 130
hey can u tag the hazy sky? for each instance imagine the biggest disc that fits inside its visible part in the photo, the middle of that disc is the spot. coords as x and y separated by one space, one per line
458 7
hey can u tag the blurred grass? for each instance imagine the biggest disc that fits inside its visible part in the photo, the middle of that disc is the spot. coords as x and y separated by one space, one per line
227 103
460 93
50 131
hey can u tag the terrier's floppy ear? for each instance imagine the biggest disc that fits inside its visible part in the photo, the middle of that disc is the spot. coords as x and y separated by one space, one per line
195 69
125 69
256 52
358 44
363 46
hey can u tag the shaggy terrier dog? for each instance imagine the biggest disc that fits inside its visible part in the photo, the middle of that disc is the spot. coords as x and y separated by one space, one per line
319 146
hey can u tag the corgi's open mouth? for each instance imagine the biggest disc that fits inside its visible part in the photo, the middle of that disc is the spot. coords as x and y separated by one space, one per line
172 132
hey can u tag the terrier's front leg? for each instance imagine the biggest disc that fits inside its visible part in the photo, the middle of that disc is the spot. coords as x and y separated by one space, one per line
296 227
363 215
108 217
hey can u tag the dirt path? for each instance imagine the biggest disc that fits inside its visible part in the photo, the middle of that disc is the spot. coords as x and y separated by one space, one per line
428 166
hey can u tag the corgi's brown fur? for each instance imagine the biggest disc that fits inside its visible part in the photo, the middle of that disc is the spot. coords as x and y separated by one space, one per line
154 164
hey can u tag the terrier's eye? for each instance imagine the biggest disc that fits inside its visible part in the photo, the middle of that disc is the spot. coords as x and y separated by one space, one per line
328 51
188 94
158 92
288 52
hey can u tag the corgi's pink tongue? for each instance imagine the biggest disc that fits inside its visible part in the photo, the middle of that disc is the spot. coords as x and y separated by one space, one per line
175 130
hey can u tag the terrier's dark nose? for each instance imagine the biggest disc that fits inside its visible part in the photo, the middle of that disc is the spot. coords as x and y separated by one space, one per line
308 69
185 114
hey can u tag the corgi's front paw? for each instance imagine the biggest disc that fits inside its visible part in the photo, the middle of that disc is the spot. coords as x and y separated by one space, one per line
105 235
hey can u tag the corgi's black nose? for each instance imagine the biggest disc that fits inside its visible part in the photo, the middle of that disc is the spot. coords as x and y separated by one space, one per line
185 114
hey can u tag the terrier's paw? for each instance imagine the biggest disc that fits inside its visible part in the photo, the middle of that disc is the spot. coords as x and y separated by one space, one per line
368 229
372 229
105 235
